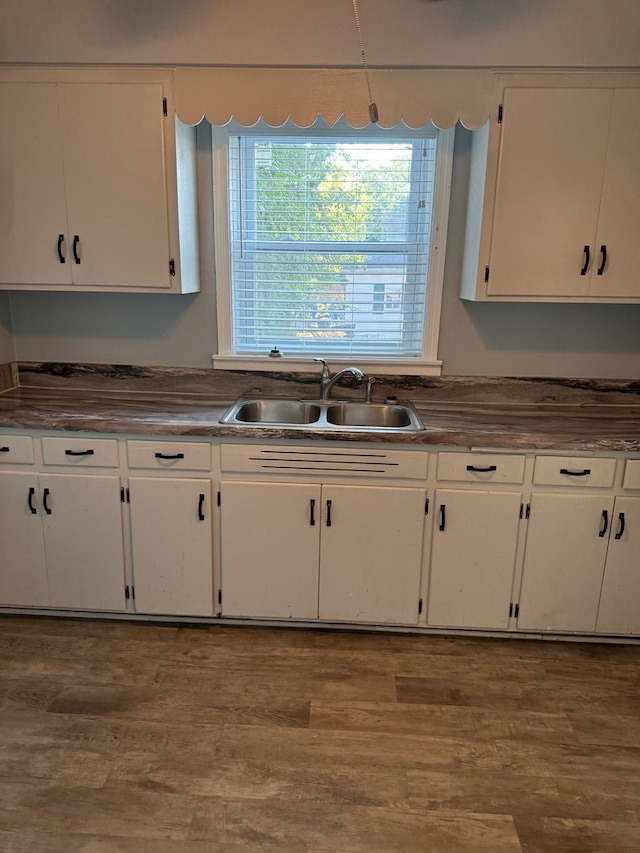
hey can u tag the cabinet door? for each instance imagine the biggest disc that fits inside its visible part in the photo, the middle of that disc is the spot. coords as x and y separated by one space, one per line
171 538
371 554
619 611
83 541
32 200
564 562
23 574
270 536
620 206
552 158
473 558
115 182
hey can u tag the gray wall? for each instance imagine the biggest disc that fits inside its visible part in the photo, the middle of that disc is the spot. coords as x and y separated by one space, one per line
7 352
558 340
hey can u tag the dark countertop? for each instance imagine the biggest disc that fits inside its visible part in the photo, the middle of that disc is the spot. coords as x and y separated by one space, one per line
553 426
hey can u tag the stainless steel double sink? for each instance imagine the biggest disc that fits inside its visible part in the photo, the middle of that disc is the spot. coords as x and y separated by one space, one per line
323 415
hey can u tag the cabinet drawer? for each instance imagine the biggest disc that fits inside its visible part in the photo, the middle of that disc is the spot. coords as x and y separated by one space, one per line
577 471
169 455
480 468
16 448
80 452
631 474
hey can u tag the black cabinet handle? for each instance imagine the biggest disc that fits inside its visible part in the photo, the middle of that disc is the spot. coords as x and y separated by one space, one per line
312 513
76 242
583 473
32 492
328 513
79 452
61 257
4 449
603 263
45 501
169 456
587 260
482 470
200 507
605 523
443 517
621 526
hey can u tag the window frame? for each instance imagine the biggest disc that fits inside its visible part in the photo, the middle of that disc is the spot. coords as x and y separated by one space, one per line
427 362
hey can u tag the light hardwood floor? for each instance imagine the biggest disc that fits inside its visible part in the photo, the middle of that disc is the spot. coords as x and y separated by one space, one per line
130 738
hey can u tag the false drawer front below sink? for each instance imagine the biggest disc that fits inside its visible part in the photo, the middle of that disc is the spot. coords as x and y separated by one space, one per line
16 449
631 474
480 467
577 471
246 458
80 452
169 455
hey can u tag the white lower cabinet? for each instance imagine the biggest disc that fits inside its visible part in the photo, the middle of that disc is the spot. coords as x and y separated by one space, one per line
619 611
23 568
334 552
473 556
171 542
564 561
62 541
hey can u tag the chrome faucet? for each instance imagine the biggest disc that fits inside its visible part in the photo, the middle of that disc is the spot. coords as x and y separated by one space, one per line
327 381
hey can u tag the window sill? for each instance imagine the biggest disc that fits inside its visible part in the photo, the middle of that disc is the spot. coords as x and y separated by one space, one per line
283 364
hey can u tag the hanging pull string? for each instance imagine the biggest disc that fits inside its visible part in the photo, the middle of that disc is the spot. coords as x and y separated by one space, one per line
373 109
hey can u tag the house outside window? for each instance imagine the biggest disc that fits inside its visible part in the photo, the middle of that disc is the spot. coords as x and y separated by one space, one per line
329 241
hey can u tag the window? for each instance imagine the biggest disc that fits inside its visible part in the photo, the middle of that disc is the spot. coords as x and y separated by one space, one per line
326 239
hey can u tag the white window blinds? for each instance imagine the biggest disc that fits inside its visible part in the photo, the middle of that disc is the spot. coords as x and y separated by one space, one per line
329 239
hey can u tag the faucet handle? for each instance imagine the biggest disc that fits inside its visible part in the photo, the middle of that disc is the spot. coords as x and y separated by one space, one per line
325 367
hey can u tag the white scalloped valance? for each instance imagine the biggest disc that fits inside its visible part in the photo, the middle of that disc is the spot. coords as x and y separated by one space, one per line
415 96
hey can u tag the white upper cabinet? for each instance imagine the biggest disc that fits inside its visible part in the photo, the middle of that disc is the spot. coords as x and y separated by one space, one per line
98 185
554 203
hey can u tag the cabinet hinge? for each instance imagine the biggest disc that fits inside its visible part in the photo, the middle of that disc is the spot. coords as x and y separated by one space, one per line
220 597
165 111
420 605
510 610
130 592
219 499
426 507
486 274
500 113
172 266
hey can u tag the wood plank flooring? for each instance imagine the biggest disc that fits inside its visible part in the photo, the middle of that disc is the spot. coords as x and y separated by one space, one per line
131 738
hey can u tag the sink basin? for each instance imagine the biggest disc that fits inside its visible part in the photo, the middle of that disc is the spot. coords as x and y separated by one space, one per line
277 412
322 416
370 415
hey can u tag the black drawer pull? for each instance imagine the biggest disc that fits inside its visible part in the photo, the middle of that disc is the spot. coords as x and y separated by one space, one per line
200 506
603 252
61 257
587 259
443 517
621 526
79 452
328 513
479 470
5 449
32 492
45 501
169 456
605 523
76 243
583 473
312 513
